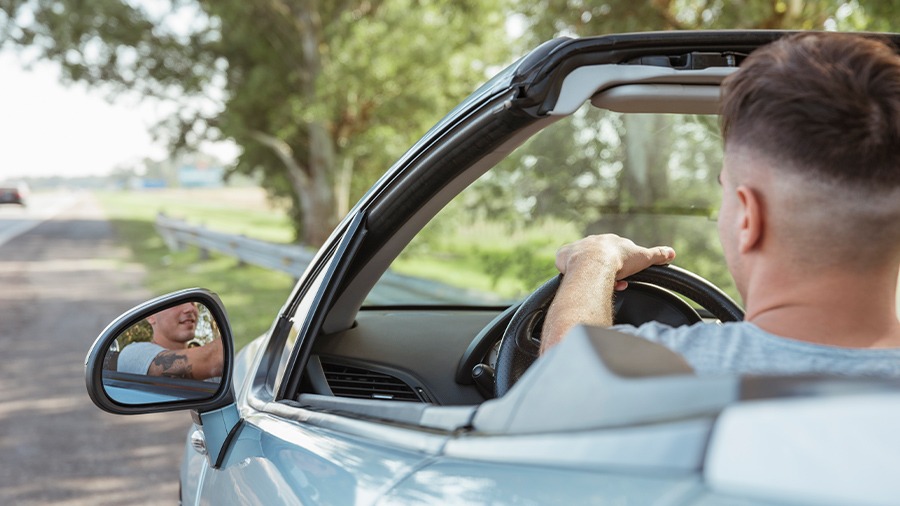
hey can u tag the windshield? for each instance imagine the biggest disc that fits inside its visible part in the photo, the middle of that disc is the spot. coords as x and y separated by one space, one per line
649 177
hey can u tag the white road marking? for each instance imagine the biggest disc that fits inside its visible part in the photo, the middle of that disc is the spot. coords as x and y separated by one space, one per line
31 220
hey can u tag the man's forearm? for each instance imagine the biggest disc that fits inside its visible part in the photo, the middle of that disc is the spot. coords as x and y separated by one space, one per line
171 363
593 268
584 297
208 360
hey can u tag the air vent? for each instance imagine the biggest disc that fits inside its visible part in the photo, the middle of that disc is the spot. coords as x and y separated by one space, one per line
360 383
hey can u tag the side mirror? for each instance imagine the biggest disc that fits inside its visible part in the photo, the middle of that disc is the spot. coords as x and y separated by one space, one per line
171 353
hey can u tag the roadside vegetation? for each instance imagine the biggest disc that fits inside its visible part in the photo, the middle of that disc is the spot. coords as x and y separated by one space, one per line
251 294
449 254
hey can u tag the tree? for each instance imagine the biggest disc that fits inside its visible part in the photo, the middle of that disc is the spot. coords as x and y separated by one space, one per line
631 182
312 91
545 20
579 18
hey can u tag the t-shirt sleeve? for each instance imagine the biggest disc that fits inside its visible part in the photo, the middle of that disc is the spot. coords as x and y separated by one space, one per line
137 357
744 348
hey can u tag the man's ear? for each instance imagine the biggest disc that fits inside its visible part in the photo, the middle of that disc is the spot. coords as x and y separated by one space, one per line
751 219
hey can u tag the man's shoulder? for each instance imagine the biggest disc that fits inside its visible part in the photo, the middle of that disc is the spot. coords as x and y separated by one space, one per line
660 332
744 348
136 357
142 347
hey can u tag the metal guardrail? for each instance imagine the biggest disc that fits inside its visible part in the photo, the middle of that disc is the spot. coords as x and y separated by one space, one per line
392 288
177 234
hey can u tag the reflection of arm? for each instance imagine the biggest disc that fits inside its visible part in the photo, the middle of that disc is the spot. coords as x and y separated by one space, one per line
136 357
199 363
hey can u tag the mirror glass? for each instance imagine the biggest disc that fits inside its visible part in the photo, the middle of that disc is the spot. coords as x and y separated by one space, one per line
175 354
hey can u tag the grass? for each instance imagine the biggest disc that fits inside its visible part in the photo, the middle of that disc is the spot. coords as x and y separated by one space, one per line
252 295
232 210
510 266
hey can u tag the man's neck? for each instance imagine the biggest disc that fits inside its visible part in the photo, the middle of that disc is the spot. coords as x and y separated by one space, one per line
837 309
166 343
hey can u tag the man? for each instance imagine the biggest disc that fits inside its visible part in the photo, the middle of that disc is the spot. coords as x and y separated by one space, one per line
809 219
167 354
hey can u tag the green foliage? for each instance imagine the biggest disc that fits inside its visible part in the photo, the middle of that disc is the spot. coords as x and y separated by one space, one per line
635 179
138 333
321 96
252 294
552 18
651 178
526 263
492 252
874 15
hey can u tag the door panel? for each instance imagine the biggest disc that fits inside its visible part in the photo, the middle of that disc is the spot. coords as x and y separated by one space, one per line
467 482
276 461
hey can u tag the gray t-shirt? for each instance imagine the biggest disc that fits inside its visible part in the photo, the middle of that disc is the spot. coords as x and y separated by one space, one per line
744 348
137 357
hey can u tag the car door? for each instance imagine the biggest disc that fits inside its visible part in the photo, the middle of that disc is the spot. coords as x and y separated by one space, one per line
282 460
283 454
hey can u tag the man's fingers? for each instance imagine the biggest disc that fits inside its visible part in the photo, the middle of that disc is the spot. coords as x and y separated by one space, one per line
662 255
638 259
630 257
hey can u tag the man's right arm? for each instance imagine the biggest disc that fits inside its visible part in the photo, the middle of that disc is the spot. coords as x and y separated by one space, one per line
200 363
593 268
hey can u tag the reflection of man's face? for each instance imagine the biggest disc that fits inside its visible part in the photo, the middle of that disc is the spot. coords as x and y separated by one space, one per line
175 324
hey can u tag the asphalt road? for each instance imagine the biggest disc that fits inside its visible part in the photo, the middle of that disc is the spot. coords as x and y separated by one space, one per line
62 279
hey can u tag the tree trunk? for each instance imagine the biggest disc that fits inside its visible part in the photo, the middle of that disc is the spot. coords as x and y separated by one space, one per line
646 174
309 178
643 182
314 192
318 204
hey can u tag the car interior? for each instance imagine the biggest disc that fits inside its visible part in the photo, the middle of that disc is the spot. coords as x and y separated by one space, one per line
397 347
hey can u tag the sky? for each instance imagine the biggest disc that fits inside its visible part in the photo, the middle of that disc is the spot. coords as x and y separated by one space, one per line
51 129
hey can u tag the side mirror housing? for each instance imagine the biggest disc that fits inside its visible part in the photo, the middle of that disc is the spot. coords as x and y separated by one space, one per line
182 360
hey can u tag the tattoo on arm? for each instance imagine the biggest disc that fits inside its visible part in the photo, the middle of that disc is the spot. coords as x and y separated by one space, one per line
172 364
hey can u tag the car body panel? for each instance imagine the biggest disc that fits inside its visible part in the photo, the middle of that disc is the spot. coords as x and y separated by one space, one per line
450 481
757 448
273 461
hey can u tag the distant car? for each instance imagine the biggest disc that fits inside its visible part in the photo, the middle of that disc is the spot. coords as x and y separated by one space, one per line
13 194
378 380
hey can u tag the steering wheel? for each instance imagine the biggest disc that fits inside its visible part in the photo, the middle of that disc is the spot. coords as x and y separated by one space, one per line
519 346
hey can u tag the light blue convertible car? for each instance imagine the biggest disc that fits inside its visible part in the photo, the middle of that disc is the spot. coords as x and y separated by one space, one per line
401 369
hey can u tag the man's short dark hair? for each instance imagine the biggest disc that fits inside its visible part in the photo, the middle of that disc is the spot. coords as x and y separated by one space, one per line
824 104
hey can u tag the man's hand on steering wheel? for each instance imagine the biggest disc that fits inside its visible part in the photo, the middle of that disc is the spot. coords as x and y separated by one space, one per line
592 277
593 268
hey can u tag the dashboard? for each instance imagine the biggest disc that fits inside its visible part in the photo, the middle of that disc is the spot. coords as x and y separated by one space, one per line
429 354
